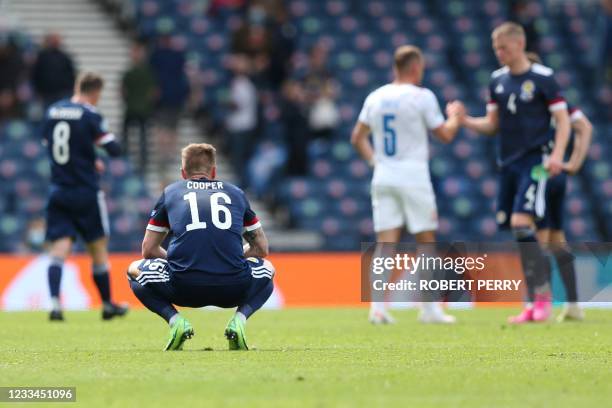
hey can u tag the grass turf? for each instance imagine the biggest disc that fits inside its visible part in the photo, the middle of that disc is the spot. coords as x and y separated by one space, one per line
313 357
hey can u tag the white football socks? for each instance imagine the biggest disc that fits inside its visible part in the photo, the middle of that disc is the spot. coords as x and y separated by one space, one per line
55 304
173 319
241 317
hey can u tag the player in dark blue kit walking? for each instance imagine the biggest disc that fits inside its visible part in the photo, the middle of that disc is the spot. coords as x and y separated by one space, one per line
523 98
206 263
71 130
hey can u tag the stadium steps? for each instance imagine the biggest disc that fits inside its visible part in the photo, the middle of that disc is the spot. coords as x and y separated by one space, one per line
90 36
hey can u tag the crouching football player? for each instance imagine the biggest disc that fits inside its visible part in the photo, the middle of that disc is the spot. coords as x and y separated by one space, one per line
205 264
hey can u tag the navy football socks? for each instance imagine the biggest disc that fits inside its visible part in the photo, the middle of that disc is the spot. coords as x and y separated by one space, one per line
102 281
536 265
54 274
565 262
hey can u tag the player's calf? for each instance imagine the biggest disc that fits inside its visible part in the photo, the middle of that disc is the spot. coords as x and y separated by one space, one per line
536 265
59 250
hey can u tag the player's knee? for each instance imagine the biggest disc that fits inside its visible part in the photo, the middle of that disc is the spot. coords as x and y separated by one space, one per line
524 233
519 220
262 266
270 266
557 237
61 248
98 251
425 237
134 270
543 236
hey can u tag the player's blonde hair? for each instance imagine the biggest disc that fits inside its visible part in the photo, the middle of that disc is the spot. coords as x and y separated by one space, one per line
509 29
405 56
88 82
198 158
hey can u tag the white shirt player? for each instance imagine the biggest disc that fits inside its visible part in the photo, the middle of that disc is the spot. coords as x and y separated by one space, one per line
399 117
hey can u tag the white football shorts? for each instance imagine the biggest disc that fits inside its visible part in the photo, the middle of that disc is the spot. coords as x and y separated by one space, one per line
411 206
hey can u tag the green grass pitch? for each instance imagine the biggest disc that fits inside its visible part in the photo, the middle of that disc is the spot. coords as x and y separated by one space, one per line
315 358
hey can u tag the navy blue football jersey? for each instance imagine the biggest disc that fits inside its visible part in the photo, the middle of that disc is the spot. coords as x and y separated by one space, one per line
206 220
71 131
525 103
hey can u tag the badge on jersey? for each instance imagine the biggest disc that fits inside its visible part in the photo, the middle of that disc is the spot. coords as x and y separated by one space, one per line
527 90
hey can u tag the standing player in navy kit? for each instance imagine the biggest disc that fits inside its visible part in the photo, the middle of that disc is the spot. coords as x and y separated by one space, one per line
550 228
205 264
523 99
71 130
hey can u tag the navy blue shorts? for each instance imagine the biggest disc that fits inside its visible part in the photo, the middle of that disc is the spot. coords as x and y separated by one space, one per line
522 189
76 212
555 201
156 275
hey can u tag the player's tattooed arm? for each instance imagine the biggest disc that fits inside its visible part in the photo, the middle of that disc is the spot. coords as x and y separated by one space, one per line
257 243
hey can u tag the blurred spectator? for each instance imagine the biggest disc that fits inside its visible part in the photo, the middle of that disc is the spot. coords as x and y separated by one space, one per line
11 72
282 34
295 124
320 94
138 93
253 40
34 237
267 37
241 123
53 73
168 64
522 12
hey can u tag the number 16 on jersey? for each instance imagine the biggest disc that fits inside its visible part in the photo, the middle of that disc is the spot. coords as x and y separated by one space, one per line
216 209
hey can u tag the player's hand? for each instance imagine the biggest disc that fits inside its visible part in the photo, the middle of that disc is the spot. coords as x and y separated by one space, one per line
455 109
554 166
570 168
100 166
